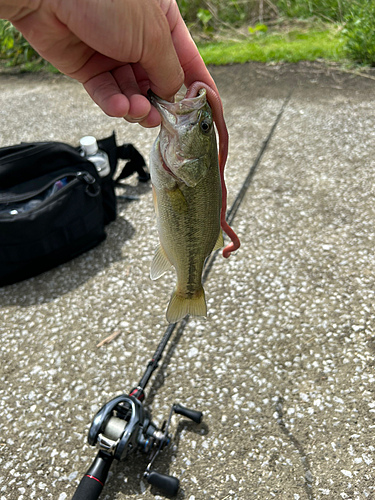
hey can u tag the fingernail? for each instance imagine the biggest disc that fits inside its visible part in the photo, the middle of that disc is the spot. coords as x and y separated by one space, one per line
135 120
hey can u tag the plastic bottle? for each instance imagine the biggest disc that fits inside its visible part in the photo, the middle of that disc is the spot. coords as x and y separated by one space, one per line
95 155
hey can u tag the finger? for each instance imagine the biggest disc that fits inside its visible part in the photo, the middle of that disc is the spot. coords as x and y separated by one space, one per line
152 120
191 61
159 59
139 105
140 109
104 90
95 65
141 77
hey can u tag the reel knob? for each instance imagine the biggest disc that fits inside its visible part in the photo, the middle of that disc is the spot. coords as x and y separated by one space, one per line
195 416
168 484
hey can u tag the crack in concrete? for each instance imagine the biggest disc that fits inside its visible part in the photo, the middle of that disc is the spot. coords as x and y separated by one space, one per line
298 446
237 202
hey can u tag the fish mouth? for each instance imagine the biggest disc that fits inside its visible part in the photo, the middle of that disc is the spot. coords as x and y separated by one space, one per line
177 113
175 118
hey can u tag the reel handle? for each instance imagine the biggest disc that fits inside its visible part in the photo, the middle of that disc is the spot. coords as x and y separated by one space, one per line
168 484
195 416
92 483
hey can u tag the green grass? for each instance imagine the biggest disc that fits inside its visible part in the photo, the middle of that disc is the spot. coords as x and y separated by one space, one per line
27 67
290 47
293 46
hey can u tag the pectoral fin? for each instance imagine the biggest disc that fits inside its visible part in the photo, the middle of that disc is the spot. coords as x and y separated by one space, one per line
177 200
220 242
160 263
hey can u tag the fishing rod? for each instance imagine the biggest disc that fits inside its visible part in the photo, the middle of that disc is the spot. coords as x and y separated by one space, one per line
123 425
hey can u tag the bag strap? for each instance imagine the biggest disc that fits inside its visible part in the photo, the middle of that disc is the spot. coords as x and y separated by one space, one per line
135 163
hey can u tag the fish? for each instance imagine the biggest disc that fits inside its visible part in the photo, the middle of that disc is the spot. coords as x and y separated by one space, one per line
189 194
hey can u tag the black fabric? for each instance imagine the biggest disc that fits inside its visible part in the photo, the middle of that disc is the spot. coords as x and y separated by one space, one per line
64 224
135 163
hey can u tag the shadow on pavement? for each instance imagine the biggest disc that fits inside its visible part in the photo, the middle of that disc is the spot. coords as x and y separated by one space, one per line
71 275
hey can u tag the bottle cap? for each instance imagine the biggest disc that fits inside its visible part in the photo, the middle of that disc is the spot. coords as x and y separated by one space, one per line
89 145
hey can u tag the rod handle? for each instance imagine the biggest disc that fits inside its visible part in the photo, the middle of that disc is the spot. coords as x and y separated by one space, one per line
168 484
195 416
92 483
88 489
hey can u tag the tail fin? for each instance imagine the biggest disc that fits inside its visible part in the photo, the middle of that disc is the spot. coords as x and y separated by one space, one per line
179 306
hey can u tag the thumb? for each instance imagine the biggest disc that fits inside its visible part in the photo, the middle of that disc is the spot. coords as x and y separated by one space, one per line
159 57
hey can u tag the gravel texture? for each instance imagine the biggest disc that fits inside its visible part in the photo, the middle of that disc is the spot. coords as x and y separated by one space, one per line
283 369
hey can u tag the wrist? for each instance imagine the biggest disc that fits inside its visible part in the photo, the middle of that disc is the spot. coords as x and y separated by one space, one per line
14 10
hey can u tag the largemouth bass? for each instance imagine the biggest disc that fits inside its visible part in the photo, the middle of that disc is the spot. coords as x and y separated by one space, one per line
189 191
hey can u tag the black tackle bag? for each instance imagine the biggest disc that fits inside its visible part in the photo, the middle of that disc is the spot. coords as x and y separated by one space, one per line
54 205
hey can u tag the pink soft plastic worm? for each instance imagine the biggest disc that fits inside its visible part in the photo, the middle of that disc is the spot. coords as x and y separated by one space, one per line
218 116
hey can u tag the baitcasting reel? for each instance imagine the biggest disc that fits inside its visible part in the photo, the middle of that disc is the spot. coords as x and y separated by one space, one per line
119 428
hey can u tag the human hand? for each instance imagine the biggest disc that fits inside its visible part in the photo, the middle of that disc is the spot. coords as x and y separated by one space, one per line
117 50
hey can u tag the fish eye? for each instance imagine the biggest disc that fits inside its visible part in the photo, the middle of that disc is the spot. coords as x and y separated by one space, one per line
205 126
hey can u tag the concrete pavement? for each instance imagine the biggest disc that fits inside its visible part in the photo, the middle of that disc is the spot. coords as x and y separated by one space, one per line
283 369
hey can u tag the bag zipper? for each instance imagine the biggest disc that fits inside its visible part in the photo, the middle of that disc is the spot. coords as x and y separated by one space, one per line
81 176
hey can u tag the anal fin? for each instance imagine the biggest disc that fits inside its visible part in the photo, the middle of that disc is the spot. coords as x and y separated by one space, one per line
160 263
